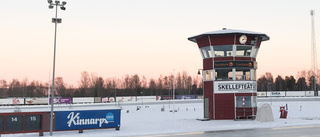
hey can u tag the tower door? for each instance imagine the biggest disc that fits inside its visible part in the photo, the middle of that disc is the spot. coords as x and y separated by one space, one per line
224 106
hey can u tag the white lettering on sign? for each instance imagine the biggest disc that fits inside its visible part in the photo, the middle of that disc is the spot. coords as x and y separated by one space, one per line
33 118
76 120
14 119
236 86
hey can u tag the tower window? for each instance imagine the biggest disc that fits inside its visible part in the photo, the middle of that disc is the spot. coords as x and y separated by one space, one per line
223 74
206 52
223 51
243 50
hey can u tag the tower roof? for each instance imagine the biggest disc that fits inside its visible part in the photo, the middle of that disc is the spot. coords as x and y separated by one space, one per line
229 31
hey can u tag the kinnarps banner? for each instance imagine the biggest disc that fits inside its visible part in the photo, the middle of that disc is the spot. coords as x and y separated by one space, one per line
87 119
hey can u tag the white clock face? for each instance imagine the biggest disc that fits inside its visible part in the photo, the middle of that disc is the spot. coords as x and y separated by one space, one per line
243 39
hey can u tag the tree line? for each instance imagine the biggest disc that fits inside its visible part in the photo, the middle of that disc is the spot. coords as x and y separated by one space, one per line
304 82
92 85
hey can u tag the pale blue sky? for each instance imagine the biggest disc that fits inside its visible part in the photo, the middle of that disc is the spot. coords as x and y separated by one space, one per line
146 37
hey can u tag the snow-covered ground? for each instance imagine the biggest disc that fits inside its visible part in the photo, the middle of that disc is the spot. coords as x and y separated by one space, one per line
150 120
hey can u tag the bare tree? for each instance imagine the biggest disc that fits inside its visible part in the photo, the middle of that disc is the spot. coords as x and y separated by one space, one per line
98 87
152 87
84 83
135 80
3 88
14 89
302 74
60 86
159 85
127 83
184 80
269 78
144 82
197 81
93 80
189 84
167 86
3 83
179 83
111 84
36 89
24 84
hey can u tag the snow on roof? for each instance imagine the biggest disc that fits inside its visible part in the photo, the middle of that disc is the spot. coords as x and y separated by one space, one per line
230 31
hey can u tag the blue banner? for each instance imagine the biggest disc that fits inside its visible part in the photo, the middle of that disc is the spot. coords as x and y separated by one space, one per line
87 119
185 96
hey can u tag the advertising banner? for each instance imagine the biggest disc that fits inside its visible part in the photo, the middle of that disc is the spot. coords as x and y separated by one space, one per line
105 99
17 101
9 101
36 101
82 100
126 99
276 93
185 97
235 86
87 119
228 64
61 100
166 97
309 93
261 94
97 99
296 93
147 98
111 99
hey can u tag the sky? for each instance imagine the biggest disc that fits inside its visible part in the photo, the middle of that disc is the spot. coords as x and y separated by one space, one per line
112 38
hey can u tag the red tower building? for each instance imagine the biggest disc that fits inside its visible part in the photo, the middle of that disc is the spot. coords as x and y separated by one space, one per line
229 72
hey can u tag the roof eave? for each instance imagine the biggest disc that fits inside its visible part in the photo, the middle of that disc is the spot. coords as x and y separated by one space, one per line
193 38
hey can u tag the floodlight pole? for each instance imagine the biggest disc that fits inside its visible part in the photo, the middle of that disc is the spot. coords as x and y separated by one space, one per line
55 21
53 75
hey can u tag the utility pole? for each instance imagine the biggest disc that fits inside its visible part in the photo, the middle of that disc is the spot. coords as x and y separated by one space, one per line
313 55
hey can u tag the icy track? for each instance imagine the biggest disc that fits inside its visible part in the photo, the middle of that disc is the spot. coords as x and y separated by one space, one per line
150 120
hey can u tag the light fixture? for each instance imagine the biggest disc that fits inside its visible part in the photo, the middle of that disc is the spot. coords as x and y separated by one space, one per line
64 3
49 1
199 71
63 8
50 6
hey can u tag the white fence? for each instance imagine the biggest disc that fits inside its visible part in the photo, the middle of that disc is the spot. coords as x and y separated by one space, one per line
77 100
285 94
